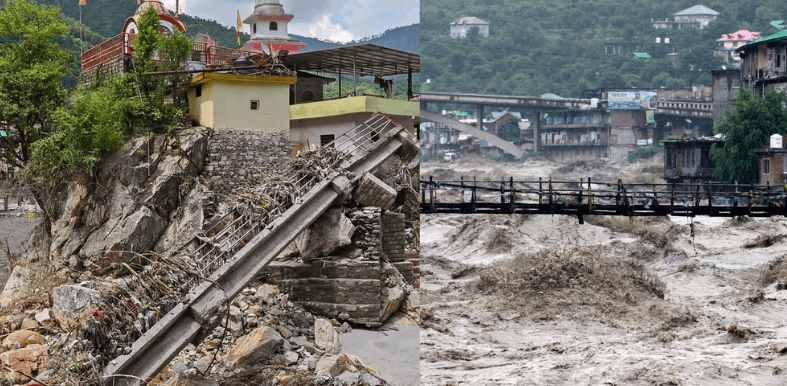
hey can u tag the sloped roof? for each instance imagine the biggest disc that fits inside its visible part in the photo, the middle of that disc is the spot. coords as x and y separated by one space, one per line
777 36
468 20
642 55
369 59
697 10
743 34
779 24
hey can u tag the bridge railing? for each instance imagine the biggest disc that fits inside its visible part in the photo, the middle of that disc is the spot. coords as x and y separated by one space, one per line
593 197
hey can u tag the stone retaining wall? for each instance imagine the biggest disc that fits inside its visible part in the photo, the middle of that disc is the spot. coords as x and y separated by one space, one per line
238 157
344 289
117 66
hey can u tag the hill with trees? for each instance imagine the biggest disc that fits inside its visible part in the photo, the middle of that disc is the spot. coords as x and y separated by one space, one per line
542 46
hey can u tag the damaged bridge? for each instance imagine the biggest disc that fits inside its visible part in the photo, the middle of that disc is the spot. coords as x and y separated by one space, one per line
237 263
580 198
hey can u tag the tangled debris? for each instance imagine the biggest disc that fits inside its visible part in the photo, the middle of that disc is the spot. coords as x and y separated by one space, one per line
544 285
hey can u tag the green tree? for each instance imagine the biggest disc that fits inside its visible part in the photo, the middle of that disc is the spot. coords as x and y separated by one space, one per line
31 68
750 125
146 44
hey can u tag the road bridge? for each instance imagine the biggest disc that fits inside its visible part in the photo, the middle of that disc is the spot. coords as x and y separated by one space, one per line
580 198
535 105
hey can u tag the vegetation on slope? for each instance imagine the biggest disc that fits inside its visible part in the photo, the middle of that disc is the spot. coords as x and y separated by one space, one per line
542 46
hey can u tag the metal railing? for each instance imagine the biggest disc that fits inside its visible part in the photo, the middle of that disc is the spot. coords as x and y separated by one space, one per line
602 198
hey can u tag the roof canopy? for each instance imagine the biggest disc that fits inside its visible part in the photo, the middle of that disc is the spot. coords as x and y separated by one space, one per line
739 35
777 36
468 20
697 10
366 59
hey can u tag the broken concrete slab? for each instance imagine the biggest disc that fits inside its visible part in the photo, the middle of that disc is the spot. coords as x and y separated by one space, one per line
374 192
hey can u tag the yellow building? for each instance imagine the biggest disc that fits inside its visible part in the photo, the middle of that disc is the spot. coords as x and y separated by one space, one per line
240 101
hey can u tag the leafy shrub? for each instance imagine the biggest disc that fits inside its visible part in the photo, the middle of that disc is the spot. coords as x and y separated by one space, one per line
80 136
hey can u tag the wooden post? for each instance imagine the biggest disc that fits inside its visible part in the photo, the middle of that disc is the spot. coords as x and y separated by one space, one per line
511 191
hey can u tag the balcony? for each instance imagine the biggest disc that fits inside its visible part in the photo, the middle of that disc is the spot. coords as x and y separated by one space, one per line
353 105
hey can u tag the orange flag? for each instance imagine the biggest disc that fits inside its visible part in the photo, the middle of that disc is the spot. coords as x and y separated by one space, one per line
238 28
82 2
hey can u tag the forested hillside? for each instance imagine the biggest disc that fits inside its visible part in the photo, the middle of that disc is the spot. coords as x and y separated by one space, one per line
541 46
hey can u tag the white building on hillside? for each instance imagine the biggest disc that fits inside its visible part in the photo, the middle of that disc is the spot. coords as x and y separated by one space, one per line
461 27
697 16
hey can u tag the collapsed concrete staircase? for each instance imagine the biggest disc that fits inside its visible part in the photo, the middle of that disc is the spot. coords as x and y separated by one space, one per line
234 263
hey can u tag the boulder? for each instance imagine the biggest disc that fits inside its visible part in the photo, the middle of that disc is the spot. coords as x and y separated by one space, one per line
181 379
292 357
254 348
331 365
184 222
18 284
394 291
22 338
29 360
69 302
44 318
137 233
29 324
330 232
325 337
266 293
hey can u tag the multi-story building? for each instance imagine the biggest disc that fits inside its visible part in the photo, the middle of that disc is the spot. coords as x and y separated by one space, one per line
729 43
460 27
697 16
764 63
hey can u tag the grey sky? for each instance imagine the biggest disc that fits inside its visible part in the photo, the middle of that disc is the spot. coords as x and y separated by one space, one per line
338 20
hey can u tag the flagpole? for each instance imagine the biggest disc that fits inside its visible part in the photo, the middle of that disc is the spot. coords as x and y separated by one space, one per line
81 35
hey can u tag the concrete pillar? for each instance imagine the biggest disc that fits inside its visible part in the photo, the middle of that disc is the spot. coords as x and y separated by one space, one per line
479 113
536 128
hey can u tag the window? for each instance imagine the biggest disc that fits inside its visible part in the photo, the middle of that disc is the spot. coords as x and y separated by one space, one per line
766 166
308 96
326 139
198 91
255 105
672 161
254 28
274 26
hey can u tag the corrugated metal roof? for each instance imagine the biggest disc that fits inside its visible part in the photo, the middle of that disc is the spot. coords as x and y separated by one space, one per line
697 10
642 55
369 59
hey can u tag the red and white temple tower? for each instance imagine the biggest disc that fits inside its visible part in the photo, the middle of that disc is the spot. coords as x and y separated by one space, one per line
268 26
